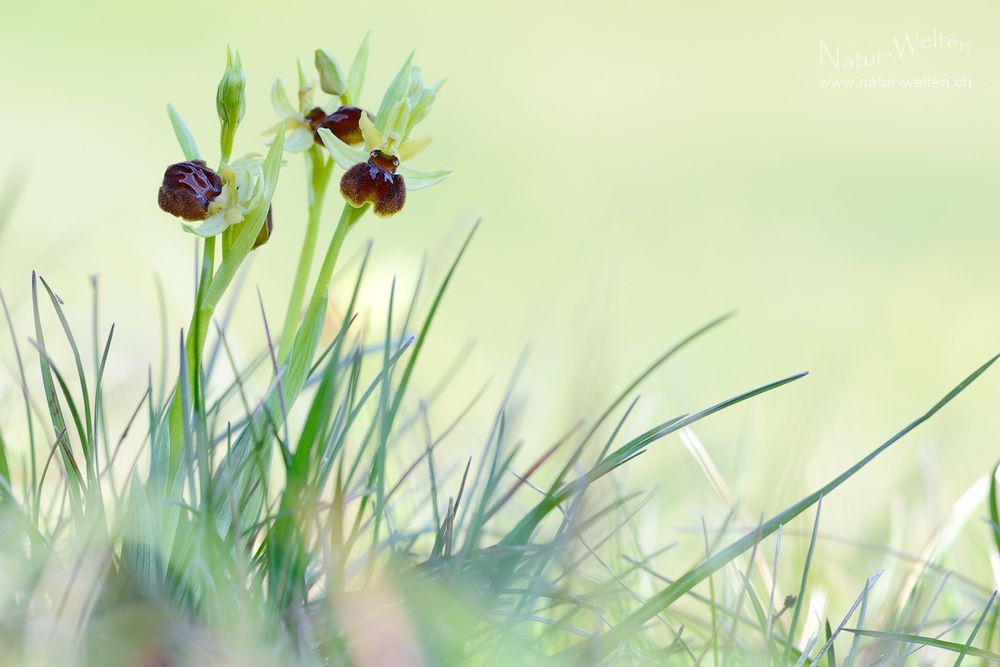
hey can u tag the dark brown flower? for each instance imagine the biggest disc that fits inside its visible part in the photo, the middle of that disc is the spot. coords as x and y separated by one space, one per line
343 123
188 188
265 230
375 182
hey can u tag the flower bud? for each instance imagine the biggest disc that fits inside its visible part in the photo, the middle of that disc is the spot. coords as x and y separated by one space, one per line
187 190
265 230
230 98
377 183
331 77
344 123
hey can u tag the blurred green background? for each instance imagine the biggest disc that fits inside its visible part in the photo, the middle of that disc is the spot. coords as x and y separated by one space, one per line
640 167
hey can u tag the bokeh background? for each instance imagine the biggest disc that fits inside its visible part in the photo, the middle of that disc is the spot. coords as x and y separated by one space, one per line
640 168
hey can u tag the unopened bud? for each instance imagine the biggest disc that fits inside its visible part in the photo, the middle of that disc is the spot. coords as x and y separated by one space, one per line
331 77
230 98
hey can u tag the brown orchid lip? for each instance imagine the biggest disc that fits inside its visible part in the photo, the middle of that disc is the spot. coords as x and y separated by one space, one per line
187 190
375 182
344 123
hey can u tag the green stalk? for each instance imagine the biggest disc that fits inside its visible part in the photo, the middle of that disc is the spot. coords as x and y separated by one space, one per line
348 217
227 137
320 171
194 346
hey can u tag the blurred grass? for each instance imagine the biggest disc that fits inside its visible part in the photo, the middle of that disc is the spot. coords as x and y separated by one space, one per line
640 166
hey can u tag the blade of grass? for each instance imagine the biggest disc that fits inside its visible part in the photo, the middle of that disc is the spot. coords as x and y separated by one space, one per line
800 598
32 483
602 644
526 526
862 601
87 442
632 386
975 631
74 478
954 647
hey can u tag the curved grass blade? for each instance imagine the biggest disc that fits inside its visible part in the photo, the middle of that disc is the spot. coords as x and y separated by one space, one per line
523 530
632 386
604 643
954 647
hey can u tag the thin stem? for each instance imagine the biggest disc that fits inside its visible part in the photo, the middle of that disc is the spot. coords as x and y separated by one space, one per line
227 136
320 172
348 217
194 346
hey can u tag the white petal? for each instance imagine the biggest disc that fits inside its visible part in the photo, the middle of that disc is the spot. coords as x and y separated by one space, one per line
416 180
299 139
215 224
279 100
345 156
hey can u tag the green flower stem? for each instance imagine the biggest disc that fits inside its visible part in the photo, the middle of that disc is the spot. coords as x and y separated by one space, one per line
348 217
168 447
194 347
320 170
227 136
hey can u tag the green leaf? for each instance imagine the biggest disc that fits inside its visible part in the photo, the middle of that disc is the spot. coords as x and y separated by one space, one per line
183 134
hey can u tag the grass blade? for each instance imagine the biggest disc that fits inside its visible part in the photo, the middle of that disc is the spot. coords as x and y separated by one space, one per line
954 647
975 631
602 644
800 598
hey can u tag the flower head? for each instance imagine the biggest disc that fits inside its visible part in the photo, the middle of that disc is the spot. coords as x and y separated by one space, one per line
375 174
345 123
195 193
188 190
237 190
301 121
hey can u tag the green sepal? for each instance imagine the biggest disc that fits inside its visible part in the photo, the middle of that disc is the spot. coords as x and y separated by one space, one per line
183 134
356 77
331 76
